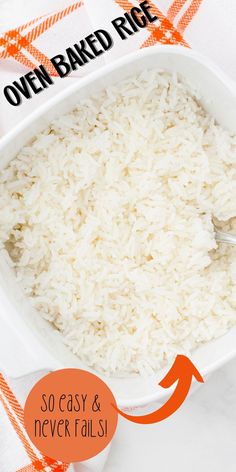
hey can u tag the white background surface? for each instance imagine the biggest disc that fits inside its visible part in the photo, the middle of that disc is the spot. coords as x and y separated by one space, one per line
201 436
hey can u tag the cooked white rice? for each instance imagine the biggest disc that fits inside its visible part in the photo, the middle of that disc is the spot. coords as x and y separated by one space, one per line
107 216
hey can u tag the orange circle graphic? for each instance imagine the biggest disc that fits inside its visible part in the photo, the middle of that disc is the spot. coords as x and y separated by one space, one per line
69 415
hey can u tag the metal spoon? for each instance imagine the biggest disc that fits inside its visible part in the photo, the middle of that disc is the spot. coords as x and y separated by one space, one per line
224 237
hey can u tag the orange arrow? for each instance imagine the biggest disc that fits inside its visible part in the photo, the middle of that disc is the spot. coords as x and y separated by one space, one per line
182 371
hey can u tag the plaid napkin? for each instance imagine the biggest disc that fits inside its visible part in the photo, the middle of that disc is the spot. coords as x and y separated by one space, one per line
30 33
17 453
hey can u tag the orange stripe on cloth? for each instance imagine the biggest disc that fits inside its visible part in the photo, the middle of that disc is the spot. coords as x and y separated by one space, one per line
172 35
45 25
22 28
28 468
21 42
53 464
14 50
9 403
47 464
41 58
188 15
27 25
175 9
22 59
165 33
19 431
31 468
31 22
11 399
163 36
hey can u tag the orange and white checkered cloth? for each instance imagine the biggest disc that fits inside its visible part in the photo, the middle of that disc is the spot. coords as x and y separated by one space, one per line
17 453
30 33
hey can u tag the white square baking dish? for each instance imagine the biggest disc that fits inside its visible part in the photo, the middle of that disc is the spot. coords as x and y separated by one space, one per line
28 343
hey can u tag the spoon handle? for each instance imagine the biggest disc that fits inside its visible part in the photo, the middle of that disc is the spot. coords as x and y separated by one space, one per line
225 237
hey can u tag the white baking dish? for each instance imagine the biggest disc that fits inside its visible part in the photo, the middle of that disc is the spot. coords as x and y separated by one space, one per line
27 343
